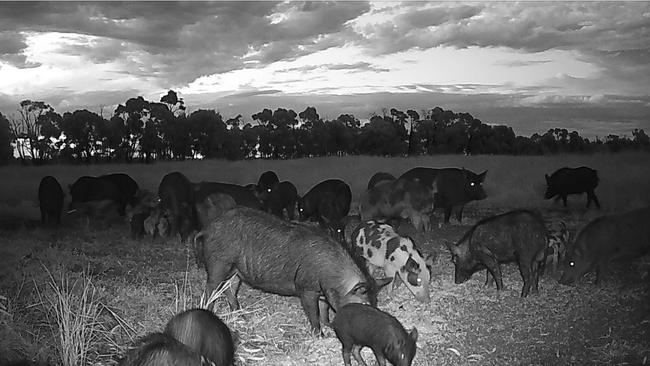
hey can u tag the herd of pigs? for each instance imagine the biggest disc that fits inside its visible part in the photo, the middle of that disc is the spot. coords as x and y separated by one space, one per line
327 257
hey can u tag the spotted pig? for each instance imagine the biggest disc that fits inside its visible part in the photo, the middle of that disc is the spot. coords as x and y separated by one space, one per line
381 246
558 238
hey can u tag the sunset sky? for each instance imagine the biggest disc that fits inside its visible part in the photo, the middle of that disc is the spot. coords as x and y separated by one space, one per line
530 65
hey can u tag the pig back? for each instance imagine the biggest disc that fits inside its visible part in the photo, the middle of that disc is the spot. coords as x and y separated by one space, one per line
279 256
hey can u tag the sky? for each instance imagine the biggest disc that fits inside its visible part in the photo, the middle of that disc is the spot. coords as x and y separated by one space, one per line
583 66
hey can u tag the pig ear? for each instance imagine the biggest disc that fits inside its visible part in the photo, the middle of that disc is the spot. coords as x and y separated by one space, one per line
547 177
414 334
360 288
429 259
453 249
382 282
481 177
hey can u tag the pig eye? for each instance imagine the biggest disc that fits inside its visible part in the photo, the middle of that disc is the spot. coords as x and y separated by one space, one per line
472 184
269 190
571 264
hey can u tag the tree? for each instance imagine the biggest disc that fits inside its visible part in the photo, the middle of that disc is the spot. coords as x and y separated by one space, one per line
208 132
174 104
79 128
6 150
27 129
134 113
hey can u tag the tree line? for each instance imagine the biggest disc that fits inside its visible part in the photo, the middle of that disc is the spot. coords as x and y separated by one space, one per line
144 131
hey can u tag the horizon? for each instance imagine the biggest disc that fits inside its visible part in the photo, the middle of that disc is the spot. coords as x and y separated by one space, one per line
582 66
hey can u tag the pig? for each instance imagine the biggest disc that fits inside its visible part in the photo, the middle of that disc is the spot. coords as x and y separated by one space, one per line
204 333
242 195
50 200
360 325
283 197
176 194
351 222
104 212
281 257
382 247
623 236
515 236
398 199
157 223
194 337
328 202
558 239
380 177
265 184
213 206
450 187
566 181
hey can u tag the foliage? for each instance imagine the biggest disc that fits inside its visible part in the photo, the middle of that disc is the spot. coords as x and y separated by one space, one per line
140 130
5 140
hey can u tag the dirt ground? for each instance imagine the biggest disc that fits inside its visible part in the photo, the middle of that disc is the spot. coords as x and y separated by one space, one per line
465 324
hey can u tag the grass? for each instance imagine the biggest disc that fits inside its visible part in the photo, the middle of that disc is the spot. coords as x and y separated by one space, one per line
142 284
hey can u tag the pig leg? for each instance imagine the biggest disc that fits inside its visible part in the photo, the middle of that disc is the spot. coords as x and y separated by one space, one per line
381 361
492 265
217 274
459 214
525 271
390 272
347 347
489 279
447 213
231 293
309 302
564 197
324 312
591 196
356 352
601 271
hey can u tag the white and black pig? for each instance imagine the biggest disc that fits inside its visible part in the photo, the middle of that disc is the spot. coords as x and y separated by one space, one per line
381 246
283 258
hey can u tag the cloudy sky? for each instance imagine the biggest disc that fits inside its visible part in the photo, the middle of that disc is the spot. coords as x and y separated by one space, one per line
530 65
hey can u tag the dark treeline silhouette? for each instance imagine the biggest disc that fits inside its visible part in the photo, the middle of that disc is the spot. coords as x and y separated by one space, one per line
140 130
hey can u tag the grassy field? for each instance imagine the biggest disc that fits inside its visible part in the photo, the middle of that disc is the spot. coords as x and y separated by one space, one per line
139 285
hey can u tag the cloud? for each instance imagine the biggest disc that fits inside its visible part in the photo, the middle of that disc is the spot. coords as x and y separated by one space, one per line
180 41
12 46
355 67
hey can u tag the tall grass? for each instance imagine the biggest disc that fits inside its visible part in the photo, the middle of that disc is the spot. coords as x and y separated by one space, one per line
73 310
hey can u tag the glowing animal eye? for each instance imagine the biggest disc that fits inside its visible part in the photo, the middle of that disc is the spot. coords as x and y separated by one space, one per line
572 264
472 184
269 190
419 280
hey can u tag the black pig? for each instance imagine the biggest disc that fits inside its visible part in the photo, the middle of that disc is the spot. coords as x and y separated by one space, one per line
451 187
283 258
566 181
194 337
516 236
50 200
360 325
176 194
283 197
380 177
605 239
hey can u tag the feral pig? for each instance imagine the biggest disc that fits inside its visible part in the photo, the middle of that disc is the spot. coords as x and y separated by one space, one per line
450 187
328 202
50 200
268 180
176 194
283 258
608 238
86 189
243 196
360 325
380 177
382 247
213 206
127 186
516 236
283 197
204 333
194 337
351 222
157 223
558 240
398 199
136 223
566 181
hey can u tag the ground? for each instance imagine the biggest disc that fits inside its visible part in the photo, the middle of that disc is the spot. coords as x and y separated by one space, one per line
142 282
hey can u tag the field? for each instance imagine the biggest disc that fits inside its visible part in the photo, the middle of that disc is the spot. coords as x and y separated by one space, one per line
139 285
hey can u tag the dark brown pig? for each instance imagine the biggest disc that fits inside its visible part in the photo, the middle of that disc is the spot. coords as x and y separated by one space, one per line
609 238
283 258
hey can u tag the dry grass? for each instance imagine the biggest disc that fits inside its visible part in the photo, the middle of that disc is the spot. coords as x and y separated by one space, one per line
144 283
